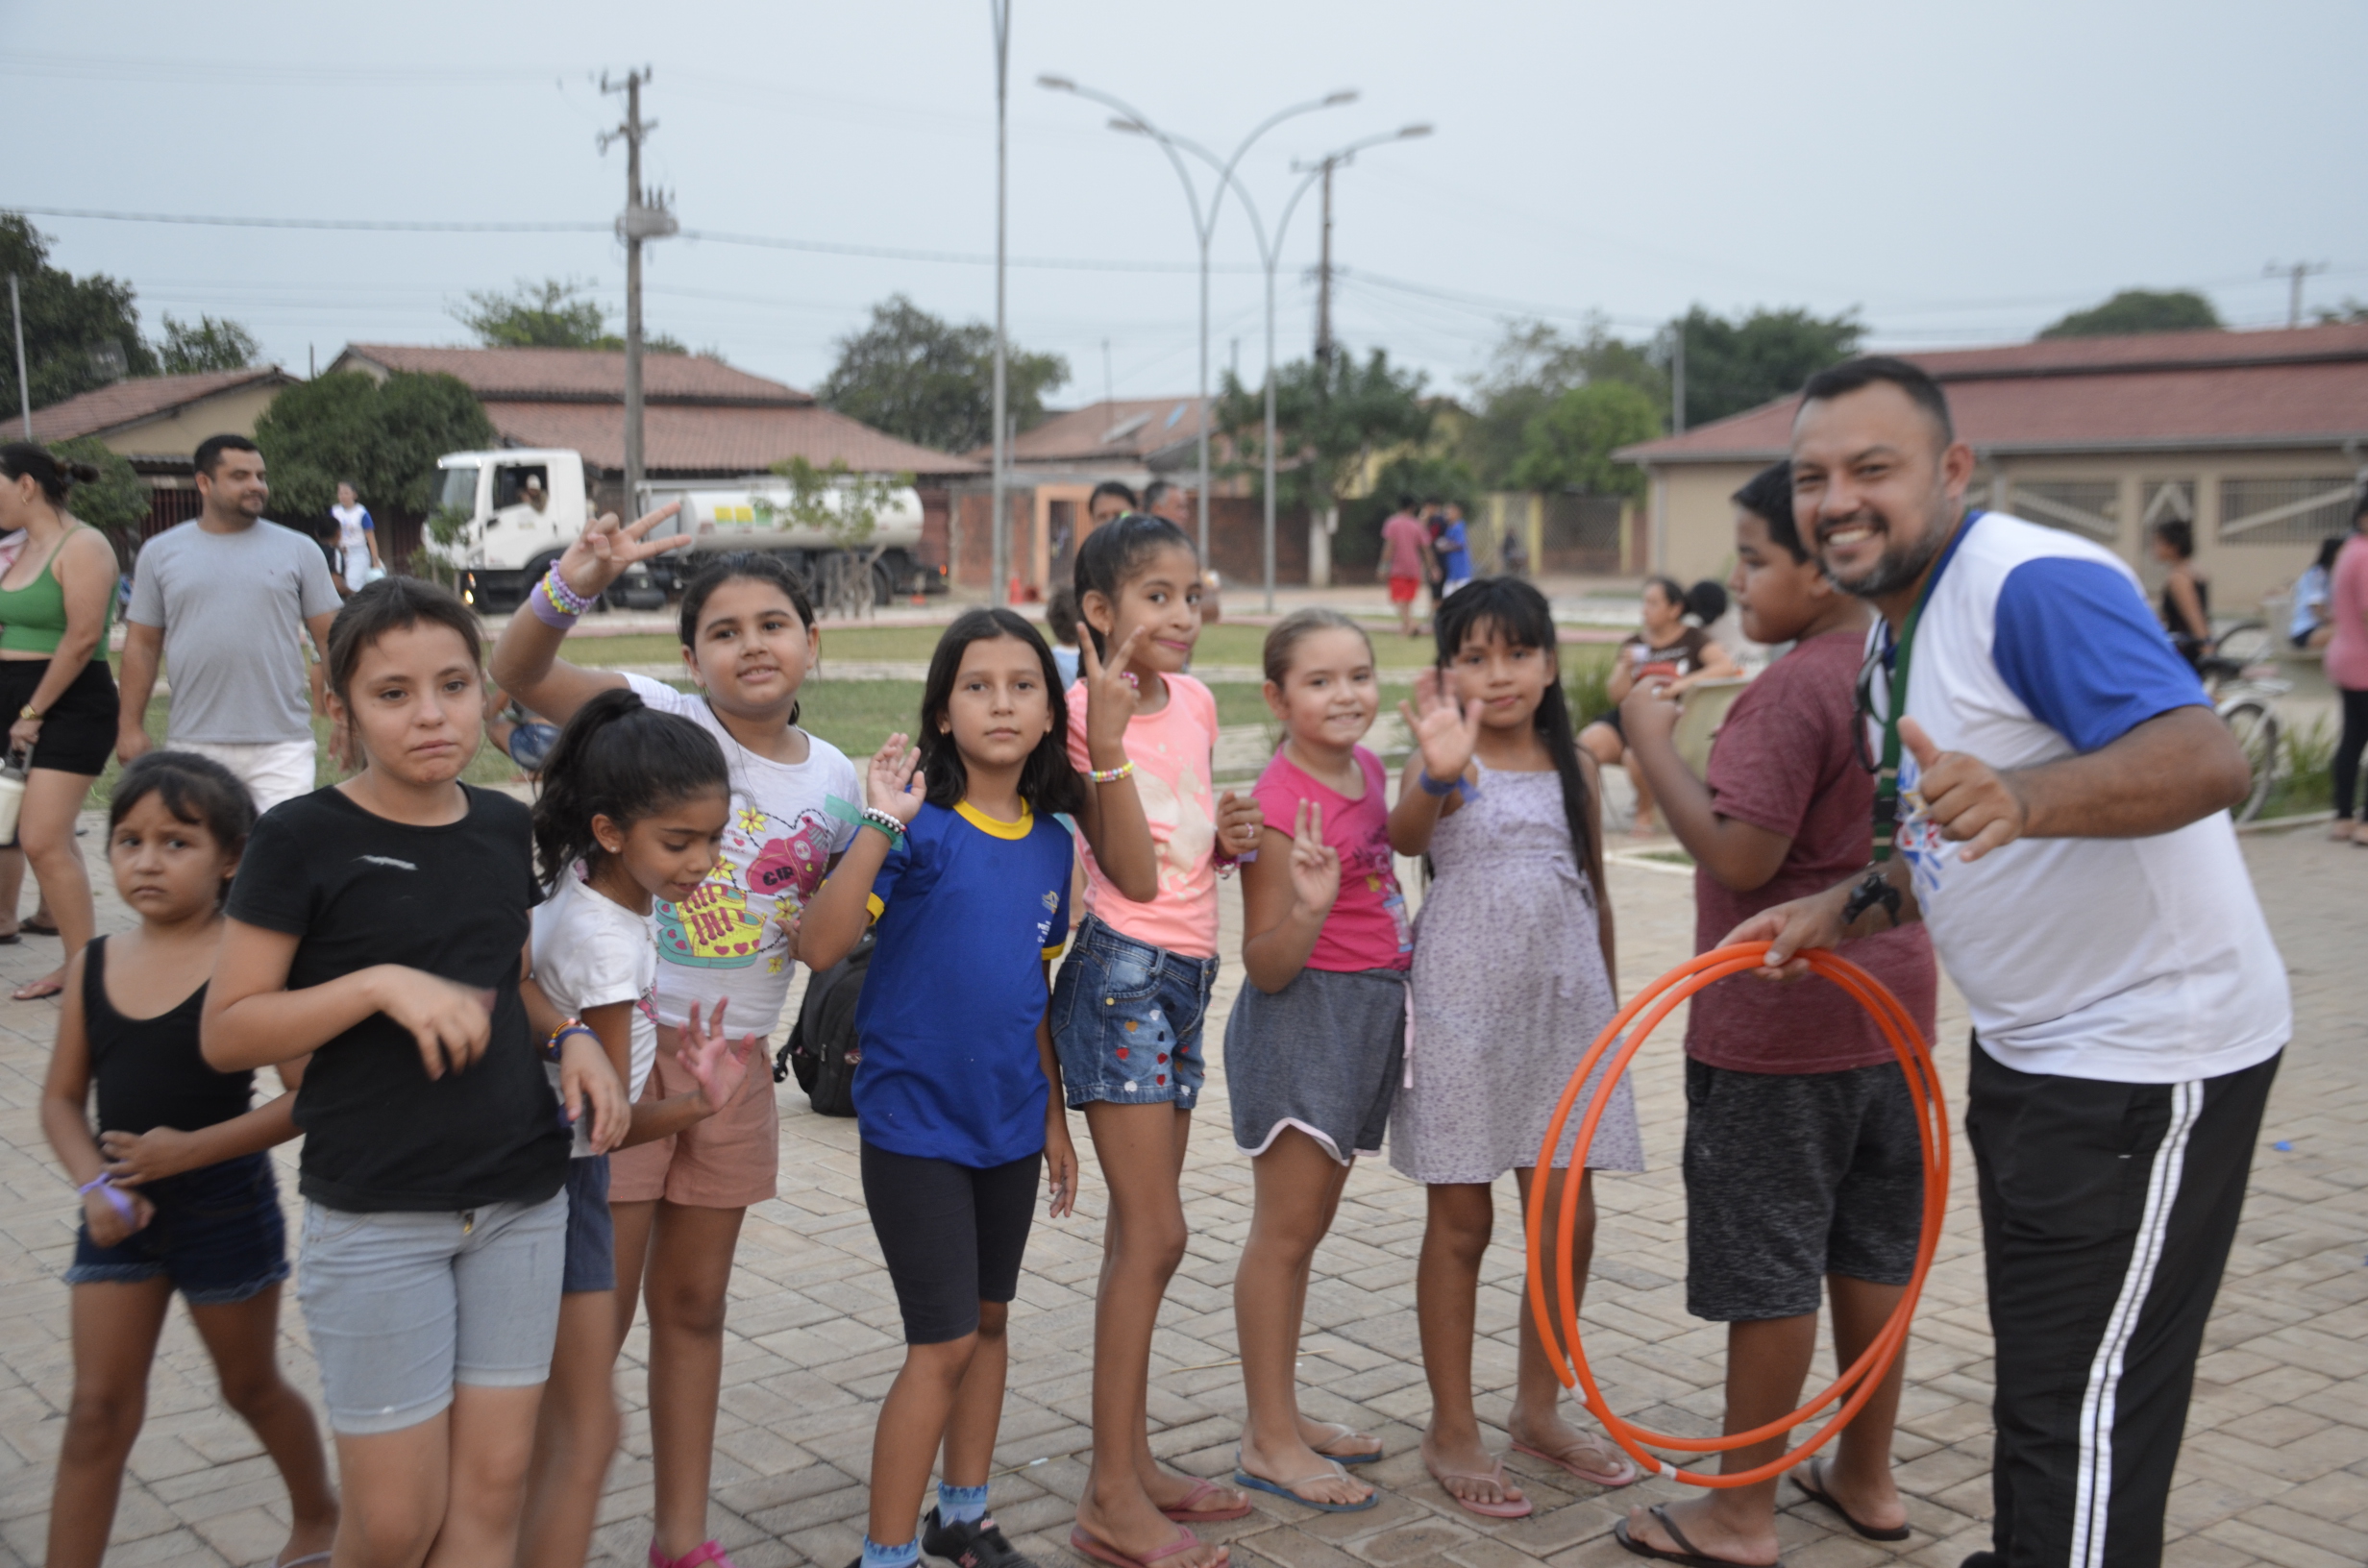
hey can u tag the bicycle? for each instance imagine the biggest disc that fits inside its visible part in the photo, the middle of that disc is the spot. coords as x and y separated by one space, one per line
2240 677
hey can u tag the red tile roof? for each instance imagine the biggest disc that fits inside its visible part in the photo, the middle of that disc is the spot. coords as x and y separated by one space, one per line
2304 387
1127 429
579 374
136 401
706 439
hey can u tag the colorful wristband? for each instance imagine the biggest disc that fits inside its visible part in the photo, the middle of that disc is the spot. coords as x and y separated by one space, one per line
105 1184
1111 775
873 817
540 603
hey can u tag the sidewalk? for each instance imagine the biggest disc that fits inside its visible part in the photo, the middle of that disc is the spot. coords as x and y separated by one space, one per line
2275 1470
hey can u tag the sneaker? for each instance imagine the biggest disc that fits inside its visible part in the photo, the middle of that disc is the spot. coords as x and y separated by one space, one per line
971 1543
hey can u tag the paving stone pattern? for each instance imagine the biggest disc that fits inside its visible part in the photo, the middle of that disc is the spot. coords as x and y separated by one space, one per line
2275 1469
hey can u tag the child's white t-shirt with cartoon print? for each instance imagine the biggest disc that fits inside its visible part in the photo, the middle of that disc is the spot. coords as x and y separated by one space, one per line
730 939
591 952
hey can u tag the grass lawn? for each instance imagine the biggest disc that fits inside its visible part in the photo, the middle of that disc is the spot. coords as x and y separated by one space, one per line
1221 643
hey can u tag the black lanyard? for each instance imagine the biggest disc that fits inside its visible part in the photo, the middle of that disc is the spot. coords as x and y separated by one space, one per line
1895 698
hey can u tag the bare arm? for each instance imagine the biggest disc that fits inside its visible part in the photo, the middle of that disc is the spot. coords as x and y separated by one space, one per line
2190 607
143 653
1741 855
84 567
318 627
66 1093
134 1158
251 1019
835 918
1060 1151
1286 893
526 662
1113 821
1623 677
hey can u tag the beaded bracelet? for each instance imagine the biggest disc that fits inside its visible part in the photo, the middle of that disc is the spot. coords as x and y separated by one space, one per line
558 1036
1458 786
1111 775
873 817
554 603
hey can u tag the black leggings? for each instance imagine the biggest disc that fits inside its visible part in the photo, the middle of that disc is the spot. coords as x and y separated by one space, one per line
2348 747
952 1235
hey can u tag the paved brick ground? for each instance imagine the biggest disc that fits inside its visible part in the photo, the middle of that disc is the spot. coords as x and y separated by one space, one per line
2275 1467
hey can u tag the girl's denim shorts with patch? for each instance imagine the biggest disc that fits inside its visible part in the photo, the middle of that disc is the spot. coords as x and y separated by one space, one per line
1127 1020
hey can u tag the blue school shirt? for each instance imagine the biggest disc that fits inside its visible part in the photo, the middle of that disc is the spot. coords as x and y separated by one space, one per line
969 909
1454 554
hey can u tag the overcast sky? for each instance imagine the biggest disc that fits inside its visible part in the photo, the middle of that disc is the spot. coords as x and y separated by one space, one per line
1959 174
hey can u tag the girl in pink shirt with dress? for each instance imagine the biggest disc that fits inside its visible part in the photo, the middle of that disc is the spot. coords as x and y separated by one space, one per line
1127 1011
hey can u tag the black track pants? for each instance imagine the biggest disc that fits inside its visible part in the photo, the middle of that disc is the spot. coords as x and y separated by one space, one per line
2107 1215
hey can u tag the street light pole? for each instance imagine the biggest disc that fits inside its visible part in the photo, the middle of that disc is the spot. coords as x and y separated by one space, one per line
24 387
1000 12
1204 228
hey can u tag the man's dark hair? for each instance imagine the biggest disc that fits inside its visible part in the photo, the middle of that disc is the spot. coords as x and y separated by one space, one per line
208 454
1113 487
1405 501
1855 375
1768 497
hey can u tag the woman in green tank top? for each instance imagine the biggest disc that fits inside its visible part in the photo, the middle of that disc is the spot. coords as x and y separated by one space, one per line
54 679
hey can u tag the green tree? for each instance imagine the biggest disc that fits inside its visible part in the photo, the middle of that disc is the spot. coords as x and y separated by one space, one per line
2140 310
1569 445
385 437
206 344
1329 423
924 380
117 502
80 333
555 313
1530 367
1735 365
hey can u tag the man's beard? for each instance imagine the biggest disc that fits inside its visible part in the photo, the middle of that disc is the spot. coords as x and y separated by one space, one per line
1898 567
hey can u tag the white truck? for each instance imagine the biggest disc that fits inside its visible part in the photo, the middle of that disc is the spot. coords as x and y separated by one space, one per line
523 506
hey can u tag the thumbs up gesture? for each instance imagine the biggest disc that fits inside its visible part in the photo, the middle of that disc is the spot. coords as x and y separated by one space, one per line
1970 801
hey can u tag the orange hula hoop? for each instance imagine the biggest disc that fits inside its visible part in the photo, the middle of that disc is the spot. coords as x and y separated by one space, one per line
1558 1320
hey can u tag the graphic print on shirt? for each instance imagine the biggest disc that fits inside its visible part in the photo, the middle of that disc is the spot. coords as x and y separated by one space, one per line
1917 838
1372 861
1182 829
765 874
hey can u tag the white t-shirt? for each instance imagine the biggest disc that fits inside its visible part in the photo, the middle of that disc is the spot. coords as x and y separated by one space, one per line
353 523
724 942
591 952
2137 960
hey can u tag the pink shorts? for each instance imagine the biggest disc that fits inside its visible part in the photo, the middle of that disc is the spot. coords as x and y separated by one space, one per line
729 1161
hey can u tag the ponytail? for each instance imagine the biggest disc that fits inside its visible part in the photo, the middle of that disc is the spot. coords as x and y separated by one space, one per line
55 478
624 760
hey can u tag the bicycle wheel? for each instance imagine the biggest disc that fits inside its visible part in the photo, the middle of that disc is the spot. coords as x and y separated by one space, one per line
2246 643
2255 725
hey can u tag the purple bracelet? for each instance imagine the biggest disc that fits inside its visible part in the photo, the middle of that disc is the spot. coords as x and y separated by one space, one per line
105 1184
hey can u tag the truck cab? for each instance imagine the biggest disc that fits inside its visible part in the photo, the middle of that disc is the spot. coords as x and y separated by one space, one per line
524 505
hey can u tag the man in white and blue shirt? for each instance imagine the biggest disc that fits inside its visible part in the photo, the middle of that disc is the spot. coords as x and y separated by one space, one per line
2062 794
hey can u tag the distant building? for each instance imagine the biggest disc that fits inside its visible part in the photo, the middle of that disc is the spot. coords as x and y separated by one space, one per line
2258 438
155 423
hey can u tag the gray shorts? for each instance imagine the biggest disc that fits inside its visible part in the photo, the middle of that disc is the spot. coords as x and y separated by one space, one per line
1792 1176
400 1307
1324 1054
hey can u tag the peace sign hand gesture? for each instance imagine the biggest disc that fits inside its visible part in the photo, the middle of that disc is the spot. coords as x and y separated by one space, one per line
602 553
1109 697
892 781
1445 737
1314 865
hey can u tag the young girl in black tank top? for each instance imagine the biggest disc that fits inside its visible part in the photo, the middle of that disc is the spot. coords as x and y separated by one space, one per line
177 1189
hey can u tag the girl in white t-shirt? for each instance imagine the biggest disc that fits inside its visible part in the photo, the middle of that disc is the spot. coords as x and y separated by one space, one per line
748 642
633 809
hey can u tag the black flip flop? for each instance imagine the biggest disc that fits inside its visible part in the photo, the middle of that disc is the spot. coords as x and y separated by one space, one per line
1686 1554
37 928
1806 1479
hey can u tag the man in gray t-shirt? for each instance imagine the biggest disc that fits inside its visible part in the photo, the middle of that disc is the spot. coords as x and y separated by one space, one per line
227 599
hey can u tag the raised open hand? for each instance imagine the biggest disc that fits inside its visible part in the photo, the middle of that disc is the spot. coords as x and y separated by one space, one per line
717 1066
1109 694
891 781
1445 736
1314 865
602 553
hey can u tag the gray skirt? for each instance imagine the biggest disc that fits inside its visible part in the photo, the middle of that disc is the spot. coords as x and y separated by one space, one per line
1324 1055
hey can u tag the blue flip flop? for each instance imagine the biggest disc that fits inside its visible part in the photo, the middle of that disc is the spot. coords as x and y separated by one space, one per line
1283 1488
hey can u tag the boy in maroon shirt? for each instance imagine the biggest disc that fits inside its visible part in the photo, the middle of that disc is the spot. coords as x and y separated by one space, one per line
1803 1162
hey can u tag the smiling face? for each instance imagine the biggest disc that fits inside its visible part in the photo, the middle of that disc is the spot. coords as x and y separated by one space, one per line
1163 596
1330 693
1877 486
416 703
235 488
1509 678
1000 709
669 853
166 868
751 651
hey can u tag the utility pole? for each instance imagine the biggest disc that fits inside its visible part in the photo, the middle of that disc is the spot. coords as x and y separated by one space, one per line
1677 376
1323 285
997 592
24 387
2294 275
646 216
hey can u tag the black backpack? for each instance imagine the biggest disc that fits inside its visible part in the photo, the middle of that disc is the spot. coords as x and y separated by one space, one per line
822 1049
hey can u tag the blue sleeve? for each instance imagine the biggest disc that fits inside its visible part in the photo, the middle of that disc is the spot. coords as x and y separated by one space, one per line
2079 646
369 523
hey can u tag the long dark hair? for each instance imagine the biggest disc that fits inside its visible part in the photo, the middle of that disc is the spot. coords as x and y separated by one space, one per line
620 759
763 566
1049 782
1519 614
1115 552
53 476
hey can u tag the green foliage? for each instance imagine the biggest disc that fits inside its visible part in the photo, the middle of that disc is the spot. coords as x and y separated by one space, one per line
1327 424
1735 365
1531 366
1587 676
81 333
1568 444
194 348
385 437
834 501
117 502
2350 312
2306 779
2140 310
926 381
555 313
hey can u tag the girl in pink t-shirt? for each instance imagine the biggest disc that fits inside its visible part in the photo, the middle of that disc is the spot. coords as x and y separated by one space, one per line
1127 1011
1315 1042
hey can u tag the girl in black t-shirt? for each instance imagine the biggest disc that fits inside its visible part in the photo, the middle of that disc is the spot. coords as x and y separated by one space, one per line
381 925
177 1190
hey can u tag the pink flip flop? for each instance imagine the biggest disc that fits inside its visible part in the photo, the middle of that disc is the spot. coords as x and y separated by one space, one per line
1626 1475
1191 1512
1100 1552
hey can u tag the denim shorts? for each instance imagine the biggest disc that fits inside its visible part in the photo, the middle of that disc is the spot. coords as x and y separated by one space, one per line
591 1234
400 1307
217 1235
1127 1020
